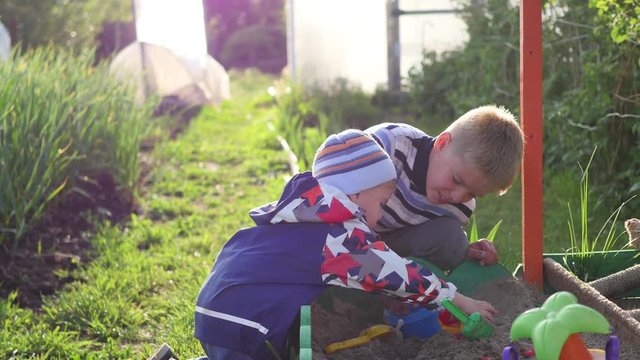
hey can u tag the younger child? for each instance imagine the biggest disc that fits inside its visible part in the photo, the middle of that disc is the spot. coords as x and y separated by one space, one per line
317 234
438 179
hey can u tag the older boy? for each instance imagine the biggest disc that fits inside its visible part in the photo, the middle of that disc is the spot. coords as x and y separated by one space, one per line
438 179
317 234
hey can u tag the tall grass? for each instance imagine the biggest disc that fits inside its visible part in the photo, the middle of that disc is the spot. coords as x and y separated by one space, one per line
302 124
307 115
60 118
582 262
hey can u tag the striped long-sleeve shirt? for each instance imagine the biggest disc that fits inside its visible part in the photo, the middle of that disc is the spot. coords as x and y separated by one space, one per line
409 148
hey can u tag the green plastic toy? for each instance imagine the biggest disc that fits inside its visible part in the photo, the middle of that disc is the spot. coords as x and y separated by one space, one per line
305 333
470 276
555 329
474 326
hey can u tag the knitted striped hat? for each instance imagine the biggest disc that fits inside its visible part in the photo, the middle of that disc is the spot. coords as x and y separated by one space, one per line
352 161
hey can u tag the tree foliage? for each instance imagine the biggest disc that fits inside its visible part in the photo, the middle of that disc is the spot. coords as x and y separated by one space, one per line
591 83
622 16
247 33
67 23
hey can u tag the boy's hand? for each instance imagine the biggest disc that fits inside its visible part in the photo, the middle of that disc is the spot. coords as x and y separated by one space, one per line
483 251
469 306
395 306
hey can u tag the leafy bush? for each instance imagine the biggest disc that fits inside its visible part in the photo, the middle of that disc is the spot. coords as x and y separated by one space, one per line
446 86
621 16
591 84
262 47
61 120
593 100
307 116
70 23
301 124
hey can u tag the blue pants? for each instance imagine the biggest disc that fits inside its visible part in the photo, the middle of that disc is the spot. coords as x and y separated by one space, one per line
220 353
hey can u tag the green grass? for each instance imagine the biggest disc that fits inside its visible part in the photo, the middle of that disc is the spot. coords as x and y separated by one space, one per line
562 194
141 290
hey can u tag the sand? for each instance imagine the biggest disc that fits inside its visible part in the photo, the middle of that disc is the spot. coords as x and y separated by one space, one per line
345 318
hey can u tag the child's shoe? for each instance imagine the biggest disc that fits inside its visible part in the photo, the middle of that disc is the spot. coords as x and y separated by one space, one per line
163 353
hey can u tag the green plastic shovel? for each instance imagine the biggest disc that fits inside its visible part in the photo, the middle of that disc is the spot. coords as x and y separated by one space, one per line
474 326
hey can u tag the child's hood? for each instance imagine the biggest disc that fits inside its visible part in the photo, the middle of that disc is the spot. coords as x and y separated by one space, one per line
305 201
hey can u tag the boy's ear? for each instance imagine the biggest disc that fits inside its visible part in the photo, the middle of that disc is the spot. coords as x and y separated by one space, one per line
442 140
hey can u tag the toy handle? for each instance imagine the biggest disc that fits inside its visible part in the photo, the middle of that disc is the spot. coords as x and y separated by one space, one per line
455 311
510 353
612 349
346 344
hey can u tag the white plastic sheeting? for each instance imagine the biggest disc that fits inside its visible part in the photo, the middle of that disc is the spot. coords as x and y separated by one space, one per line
348 38
175 24
156 70
170 56
338 38
5 42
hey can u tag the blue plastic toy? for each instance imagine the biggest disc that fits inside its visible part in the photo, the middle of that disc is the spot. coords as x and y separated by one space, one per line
419 322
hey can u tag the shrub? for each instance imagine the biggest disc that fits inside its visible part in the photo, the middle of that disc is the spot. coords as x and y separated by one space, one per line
591 84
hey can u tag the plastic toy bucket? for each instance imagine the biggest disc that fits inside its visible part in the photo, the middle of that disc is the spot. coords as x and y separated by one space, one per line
419 322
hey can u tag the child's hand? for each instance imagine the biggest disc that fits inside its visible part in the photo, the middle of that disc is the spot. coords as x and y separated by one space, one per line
395 306
469 306
483 251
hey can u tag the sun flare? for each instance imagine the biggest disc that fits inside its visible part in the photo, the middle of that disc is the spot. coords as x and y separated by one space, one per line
175 24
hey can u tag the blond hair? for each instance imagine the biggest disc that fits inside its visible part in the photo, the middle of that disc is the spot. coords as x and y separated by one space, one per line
490 138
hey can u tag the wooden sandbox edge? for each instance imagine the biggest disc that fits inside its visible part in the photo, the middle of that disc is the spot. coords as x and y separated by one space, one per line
623 323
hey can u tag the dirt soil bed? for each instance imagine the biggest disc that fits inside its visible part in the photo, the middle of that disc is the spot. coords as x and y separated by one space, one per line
42 262
510 297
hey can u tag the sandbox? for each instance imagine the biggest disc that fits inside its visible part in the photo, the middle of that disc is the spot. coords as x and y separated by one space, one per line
343 314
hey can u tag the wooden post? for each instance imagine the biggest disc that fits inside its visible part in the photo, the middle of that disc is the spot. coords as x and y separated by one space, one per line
531 115
393 46
143 58
291 40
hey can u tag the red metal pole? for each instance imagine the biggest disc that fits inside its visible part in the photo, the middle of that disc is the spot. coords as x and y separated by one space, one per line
531 114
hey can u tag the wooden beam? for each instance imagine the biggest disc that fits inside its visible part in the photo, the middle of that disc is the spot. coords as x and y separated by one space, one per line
622 321
531 115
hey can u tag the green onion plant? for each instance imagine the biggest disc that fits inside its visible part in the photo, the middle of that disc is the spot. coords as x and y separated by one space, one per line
579 258
61 118
473 232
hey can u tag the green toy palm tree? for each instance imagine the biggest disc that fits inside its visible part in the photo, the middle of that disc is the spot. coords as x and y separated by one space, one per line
554 328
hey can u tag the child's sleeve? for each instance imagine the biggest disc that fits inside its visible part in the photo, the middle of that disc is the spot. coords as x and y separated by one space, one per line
384 135
460 211
376 268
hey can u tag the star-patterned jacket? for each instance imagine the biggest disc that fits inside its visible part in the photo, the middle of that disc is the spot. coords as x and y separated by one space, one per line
314 236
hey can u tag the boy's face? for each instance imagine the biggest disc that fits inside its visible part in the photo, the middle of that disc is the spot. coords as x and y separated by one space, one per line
371 201
451 178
